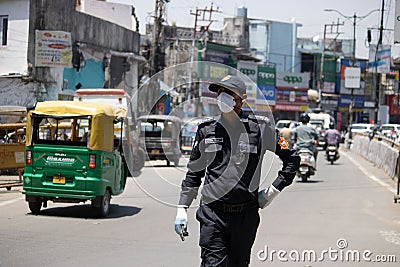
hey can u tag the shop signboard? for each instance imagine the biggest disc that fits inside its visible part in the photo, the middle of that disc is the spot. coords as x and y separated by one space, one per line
53 49
291 99
348 63
266 80
293 79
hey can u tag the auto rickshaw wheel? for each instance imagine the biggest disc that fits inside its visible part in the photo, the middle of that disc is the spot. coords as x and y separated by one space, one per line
35 206
104 208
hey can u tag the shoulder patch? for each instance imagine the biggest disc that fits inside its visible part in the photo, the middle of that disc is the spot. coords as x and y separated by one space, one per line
283 143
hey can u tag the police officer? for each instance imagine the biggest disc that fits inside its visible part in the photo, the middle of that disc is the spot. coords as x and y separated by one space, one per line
229 153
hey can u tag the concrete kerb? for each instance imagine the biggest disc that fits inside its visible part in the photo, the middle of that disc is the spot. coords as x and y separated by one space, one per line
377 152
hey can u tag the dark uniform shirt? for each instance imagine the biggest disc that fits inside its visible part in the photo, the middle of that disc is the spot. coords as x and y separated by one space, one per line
230 156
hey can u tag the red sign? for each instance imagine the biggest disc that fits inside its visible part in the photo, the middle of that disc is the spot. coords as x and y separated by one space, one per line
57 46
291 99
393 105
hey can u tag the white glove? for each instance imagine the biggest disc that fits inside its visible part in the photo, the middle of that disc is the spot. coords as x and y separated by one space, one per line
181 219
266 196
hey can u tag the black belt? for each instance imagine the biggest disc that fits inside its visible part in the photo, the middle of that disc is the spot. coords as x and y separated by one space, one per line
232 208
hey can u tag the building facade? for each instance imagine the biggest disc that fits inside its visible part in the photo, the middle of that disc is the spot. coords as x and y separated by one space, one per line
64 49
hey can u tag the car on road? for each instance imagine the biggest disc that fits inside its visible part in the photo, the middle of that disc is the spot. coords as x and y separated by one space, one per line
286 123
390 130
361 128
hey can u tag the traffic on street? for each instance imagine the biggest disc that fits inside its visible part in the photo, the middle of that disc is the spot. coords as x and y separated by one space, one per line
198 133
350 202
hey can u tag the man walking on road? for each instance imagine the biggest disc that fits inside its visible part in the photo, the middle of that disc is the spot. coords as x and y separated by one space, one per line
229 153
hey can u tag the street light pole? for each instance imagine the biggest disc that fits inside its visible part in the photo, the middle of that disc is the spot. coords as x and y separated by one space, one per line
354 35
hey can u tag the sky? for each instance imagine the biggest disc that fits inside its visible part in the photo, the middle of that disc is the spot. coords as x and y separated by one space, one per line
309 13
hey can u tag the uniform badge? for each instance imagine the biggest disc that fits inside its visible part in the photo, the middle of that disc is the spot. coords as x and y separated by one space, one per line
283 143
214 140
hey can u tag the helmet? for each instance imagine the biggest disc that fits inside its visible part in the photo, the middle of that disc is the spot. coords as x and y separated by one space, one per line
304 118
331 125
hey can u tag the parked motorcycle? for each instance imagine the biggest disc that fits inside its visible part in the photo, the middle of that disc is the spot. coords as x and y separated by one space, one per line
307 164
332 153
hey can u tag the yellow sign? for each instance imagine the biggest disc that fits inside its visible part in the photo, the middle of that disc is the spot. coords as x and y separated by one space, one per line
12 156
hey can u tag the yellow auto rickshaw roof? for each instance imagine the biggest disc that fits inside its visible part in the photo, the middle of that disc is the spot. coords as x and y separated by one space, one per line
71 108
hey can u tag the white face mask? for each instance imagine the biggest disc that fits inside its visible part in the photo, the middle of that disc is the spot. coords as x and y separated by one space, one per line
226 102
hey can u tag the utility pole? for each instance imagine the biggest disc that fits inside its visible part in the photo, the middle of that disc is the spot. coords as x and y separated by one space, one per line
354 17
156 42
201 24
378 76
321 73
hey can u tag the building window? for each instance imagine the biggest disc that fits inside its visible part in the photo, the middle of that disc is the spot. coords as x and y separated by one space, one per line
3 29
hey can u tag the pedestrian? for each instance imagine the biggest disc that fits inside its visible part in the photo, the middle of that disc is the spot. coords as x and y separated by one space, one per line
229 153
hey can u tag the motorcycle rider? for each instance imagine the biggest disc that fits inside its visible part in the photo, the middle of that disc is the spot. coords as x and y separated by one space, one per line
306 136
332 137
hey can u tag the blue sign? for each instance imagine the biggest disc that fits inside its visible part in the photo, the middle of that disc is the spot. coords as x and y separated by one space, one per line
266 92
354 63
358 101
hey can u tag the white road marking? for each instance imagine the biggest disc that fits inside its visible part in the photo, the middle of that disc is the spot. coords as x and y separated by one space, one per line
371 176
8 202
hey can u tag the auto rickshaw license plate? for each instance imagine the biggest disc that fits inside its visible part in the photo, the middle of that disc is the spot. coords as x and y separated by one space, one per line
58 180
155 151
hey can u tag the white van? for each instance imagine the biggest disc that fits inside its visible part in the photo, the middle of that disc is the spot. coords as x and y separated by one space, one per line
321 117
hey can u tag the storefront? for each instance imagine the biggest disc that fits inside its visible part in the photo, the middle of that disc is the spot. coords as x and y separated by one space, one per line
291 95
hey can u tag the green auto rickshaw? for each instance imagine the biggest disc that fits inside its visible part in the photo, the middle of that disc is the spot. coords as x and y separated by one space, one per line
74 153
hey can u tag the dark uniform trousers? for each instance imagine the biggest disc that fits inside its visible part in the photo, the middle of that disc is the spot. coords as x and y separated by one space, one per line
226 238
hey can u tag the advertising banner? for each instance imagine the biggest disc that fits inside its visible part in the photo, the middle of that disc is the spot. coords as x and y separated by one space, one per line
53 49
215 55
292 79
394 105
266 84
348 63
250 70
397 22
352 77
329 101
345 100
379 61
291 99
329 87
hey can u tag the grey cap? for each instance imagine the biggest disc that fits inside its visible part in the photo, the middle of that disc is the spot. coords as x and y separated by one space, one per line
233 83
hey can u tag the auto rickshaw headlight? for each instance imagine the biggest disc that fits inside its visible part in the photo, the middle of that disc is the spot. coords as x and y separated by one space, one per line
92 161
28 157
